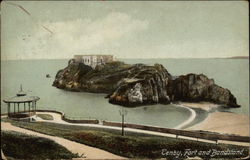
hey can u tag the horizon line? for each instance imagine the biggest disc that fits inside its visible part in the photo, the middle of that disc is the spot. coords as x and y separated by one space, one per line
233 57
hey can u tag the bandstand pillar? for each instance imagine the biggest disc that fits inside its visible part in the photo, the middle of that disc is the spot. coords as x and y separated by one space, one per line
29 108
8 108
32 107
14 107
35 105
17 107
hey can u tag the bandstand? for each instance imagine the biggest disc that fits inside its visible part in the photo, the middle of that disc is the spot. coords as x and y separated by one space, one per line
22 105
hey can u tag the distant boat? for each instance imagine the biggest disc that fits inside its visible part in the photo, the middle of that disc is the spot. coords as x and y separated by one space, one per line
48 76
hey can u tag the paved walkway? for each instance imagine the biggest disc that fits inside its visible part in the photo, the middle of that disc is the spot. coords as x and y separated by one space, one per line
87 151
58 119
91 152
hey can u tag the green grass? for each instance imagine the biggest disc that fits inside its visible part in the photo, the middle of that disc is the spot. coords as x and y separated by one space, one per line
132 145
45 116
17 145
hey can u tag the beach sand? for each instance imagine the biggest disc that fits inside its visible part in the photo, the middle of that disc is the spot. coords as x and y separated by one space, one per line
225 122
207 106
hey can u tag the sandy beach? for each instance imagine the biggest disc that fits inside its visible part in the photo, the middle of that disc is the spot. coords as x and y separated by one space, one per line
225 122
207 106
221 122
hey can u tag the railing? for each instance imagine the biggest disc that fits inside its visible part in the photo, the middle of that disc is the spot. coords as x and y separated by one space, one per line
72 119
193 134
48 110
79 120
177 132
88 120
20 112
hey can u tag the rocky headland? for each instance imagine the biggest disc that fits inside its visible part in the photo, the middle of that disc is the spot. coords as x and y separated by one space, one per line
140 84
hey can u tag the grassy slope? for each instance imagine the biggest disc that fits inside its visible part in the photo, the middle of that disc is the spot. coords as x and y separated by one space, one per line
22 146
133 145
45 116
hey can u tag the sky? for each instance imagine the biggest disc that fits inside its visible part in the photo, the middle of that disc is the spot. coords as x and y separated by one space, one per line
174 29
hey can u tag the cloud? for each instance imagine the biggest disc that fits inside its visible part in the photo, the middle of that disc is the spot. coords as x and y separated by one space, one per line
81 35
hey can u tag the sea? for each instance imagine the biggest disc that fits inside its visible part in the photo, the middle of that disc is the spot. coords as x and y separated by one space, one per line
228 73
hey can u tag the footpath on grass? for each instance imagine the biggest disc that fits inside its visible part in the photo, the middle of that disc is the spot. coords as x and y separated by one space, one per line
86 152
58 118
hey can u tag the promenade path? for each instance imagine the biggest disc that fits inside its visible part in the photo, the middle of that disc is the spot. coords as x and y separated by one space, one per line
86 151
91 152
58 119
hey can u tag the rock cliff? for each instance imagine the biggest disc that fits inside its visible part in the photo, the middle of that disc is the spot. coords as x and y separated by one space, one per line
138 84
192 87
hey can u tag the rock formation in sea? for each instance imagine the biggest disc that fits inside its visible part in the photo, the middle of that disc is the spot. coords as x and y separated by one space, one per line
139 84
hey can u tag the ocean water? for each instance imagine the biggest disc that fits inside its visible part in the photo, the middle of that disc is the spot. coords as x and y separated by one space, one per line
229 73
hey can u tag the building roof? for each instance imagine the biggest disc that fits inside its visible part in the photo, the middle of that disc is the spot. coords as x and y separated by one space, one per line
21 99
21 92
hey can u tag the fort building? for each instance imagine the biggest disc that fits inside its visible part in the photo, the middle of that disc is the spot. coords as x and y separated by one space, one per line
93 60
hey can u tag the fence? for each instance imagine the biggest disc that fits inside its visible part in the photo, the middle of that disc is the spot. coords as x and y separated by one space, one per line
193 134
72 119
87 120
80 120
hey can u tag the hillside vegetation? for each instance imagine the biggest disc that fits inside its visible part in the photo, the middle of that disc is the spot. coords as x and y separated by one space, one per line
17 145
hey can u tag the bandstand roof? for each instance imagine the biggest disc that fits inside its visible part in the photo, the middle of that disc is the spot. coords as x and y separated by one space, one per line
21 99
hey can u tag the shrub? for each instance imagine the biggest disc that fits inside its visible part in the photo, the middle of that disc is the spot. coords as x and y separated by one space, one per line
23 146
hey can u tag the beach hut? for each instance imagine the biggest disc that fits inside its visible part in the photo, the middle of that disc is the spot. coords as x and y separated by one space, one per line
22 105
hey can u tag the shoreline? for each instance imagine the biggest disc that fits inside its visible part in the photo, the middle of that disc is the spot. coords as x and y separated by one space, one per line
225 123
168 132
206 106
220 122
189 120
194 118
215 121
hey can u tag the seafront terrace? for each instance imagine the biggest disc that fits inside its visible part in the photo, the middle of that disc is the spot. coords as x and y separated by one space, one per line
100 140
195 135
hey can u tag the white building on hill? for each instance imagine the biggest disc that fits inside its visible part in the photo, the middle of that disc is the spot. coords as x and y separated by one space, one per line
93 60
